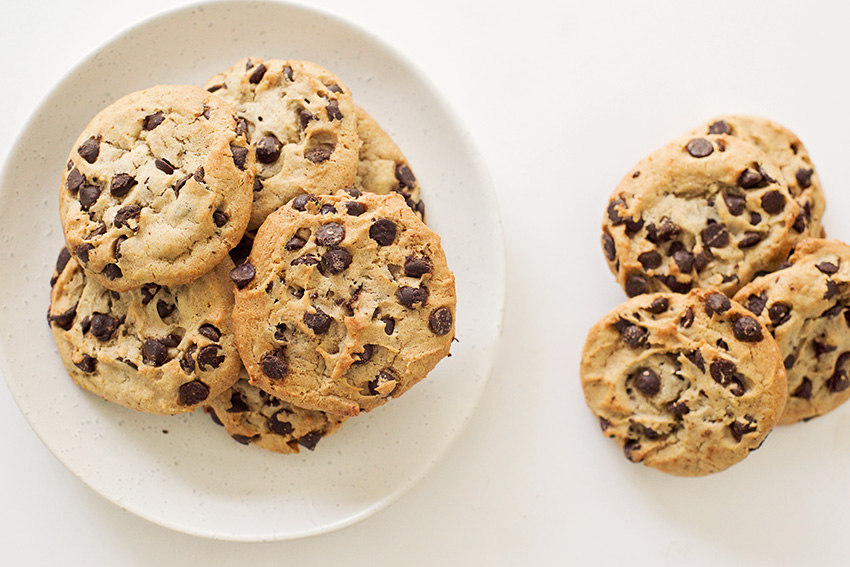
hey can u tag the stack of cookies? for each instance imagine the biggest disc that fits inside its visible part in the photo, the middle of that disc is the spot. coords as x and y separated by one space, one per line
738 317
256 248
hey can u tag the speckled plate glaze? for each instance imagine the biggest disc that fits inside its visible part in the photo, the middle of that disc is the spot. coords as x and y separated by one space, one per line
183 472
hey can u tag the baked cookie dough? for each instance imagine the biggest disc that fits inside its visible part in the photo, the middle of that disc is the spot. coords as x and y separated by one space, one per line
806 307
158 349
788 152
687 384
711 212
157 188
251 416
300 119
345 301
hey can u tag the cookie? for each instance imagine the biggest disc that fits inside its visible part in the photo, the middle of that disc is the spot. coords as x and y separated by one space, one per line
788 152
688 384
157 349
381 167
157 188
711 212
300 119
251 416
806 307
345 302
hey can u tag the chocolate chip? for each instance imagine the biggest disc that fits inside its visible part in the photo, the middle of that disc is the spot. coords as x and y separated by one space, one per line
327 209
306 259
304 118
404 175
62 260
268 149
178 185
440 321
608 247
365 356
219 218
695 356
755 303
151 121
90 149
187 363
299 203
779 313
633 226
800 223
193 392
354 208
121 184
634 336
164 166
319 153
319 322
667 230
214 88
636 284
417 267
310 440
827 268
278 426
804 390
88 195
245 439
838 382
164 309
295 243
822 348
750 179
389 325
773 202
650 260
333 110
258 185
112 272
154 353
240 155
831 289
74 180
722 370
287 72
715 235
242 274
723 344
717 303
647 382
613 213
102 326
87 364
124 214
678 409
659 305
383 231
742 426
750 239
384 384
330 234
209 356
700 148
719 127
747 329
804 177
82 252
629 449
755 218
734 204
335 261
65 320
410 296
257 75
684 260
148 291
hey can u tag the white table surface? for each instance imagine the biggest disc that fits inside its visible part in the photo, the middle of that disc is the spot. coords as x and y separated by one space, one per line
561 98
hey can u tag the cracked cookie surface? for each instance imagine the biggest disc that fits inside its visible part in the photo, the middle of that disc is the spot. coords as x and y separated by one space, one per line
685 383
253 417
788 152
806 307
158 349
711 212
345 301
300 119
157 188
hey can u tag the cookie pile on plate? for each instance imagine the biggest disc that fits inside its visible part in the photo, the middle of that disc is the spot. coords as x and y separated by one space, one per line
739 309
256 248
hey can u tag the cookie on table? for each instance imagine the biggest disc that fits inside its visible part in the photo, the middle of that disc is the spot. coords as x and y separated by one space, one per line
158 349
788 152
382 167
711 212
345 301
688 384
157 188
251 416
300 119
807 309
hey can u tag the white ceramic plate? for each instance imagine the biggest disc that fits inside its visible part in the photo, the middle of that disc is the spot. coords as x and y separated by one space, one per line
183 472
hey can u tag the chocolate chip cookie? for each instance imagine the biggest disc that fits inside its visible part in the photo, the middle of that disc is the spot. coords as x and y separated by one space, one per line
345 301
157 349
381 167
788 152
709 212
157 188
251 416
688 384
806 307
300 119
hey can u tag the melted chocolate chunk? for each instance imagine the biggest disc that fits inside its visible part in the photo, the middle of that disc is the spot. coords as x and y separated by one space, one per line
88 196
827 268
334 112
209 356
384 384
687 319
310 440
319 322
295 243
278 426
65 320
404 176
742 426
87 364
187 363
243 274
684 260
383 231
112 271
734 204
193 392
789 361
274 364
613 213
219 218
164 309
82 252
124 214
121 185
354 208
389 325
210 331
650 260
90 149
667 230
755 303
74 180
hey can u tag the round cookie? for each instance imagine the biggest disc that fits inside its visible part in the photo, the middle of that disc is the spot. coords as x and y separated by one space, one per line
300 119
251 416
381 167
688 384
709 212
787 151
157 349
807 309
157 188
345 302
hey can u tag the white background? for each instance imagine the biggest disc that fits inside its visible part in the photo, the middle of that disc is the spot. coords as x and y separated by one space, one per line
562 98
